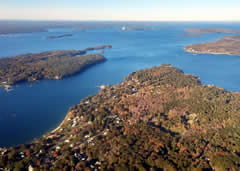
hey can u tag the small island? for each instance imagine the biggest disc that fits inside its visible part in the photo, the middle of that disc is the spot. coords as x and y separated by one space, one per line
59 36
229 45
156 119
211 30
98 48
47 65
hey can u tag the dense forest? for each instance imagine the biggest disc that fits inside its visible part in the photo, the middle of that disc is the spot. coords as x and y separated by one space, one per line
47 65
158 118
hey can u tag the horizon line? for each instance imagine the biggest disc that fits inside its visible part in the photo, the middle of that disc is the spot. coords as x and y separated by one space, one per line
93 20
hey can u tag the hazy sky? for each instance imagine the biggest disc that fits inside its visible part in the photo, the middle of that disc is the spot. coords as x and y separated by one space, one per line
156 10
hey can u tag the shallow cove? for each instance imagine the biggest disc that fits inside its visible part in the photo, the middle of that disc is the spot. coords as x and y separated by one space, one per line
33 109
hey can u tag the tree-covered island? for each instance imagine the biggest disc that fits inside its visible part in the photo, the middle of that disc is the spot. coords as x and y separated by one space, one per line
47 65
228 45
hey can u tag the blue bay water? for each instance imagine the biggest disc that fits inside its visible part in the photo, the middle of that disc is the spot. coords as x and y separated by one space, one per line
33 109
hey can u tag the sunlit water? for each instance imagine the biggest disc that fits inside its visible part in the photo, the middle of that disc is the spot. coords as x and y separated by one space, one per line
33 109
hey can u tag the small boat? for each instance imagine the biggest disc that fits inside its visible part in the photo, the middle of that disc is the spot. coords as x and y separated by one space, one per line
124 28
102 87
8 88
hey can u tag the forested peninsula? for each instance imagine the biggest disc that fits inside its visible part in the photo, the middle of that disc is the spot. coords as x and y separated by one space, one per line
228 45
47 65
157 118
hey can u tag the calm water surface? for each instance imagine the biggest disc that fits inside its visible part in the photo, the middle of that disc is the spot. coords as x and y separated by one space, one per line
33 109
